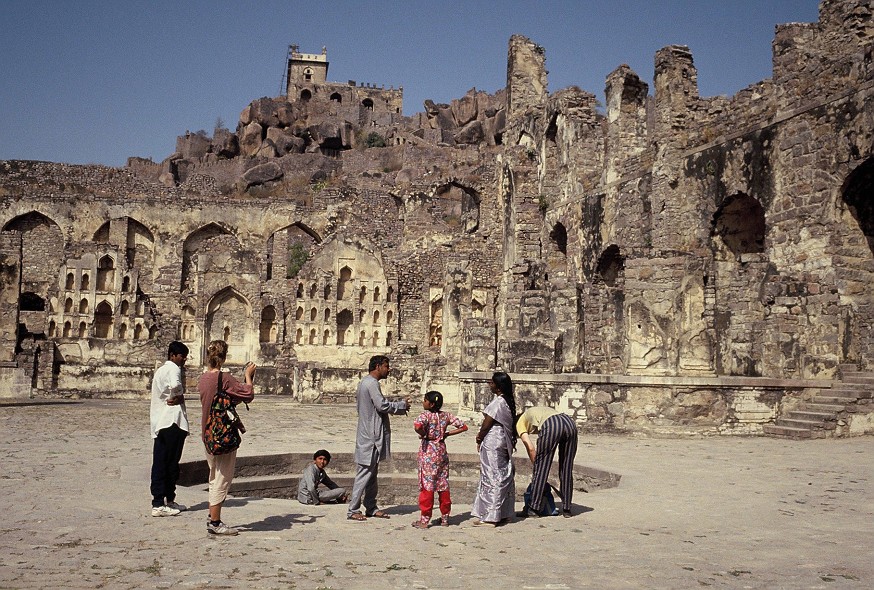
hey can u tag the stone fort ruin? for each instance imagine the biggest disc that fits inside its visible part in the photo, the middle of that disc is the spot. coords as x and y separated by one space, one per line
673 262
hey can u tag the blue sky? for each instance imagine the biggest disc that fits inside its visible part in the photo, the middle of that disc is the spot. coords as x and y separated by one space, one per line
88 81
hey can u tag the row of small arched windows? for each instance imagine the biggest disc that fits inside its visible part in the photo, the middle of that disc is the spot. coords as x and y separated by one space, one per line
326 337
327 315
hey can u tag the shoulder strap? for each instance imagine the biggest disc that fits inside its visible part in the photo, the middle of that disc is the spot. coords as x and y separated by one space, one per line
219 386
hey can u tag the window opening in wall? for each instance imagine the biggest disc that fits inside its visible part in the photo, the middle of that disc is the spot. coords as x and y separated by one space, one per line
267 328
435 336
299 290
327 293
153 331
227 334
376 317
305 95
122 331
739 227
391 294
344 283
83 306
31 302
67 329
313 288
361 338
105 274
326 336
857 192
298 336
388 339
125 284
313 336
327 314
611 265
344 324
362 294
361 314
125 306
335 97
83 329
376 338
86 283
52 328
388 316
476 308
376 294
299 313
103 320
70 281
138 331
367 104
313 313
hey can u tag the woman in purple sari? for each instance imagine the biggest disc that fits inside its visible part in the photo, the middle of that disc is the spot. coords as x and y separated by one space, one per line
496 495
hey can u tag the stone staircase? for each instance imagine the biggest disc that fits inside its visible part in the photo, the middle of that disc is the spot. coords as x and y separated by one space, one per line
825 416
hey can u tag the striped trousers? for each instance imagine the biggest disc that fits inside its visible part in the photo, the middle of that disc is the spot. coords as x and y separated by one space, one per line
556 431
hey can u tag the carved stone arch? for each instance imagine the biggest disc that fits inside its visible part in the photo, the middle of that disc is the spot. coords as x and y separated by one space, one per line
103 320
200 252
611 266
738 227
140 245
39 234
336 97
267 327
105 274
288 249
857 194
229 318
305 94
345 321
367 104
556 251
459 205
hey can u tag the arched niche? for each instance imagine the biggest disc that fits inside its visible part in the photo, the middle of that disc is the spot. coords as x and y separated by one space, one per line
103 320
858 194
105 274
611 266
738 227
212 248
229 318
458 206
39 235
288 249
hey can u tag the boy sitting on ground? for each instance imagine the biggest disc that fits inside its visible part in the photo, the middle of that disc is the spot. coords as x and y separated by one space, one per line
308 491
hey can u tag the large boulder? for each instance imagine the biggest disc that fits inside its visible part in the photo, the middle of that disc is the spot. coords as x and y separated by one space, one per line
465 109
284 142
250 139
225 144
261 174
471 133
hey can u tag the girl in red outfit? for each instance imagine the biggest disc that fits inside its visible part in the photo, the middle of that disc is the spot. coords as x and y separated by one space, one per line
431 426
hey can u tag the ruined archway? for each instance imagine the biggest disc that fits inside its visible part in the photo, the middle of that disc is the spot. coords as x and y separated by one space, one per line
739 227
229 318
39 235
288 249
858 194
103 320
210 249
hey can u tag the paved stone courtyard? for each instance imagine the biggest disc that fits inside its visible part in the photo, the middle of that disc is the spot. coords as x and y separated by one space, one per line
691 512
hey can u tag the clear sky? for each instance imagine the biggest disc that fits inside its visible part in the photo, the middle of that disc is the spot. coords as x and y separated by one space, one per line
90 81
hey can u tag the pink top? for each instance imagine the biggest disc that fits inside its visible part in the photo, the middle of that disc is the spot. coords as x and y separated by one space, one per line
238 392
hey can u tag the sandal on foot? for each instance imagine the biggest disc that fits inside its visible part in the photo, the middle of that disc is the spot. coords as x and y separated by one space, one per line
418 524
379 514
357 516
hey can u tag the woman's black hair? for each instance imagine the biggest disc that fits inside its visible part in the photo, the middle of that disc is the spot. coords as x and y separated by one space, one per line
322 453
436 400
505 386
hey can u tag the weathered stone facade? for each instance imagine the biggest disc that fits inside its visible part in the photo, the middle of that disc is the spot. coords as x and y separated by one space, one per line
674 261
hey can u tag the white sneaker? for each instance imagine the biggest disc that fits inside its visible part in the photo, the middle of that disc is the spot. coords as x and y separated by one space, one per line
220 529
165 511
175 506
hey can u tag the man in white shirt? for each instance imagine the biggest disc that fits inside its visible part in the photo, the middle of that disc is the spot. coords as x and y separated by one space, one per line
169 427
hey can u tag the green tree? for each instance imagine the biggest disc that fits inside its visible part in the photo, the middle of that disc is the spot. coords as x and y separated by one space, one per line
297 257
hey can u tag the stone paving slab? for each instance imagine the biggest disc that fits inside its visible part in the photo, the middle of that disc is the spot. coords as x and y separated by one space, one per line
690 512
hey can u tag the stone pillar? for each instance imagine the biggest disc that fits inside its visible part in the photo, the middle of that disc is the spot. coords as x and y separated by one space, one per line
626 119
526 76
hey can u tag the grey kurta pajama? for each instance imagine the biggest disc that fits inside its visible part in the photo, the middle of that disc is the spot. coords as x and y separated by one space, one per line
496 495
372 442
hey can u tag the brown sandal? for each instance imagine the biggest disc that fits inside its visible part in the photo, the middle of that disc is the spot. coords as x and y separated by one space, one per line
356 516
379 514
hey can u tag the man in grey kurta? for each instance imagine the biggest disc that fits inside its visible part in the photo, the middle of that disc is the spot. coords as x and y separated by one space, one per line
372 439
